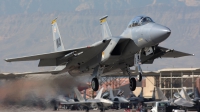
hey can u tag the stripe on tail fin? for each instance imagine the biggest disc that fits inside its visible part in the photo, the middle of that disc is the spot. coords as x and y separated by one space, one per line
57 40
105 28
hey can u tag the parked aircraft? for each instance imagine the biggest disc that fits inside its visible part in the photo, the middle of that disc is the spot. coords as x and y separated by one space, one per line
138 44
184 100
99 102
139 99
60 100
195 98
119 99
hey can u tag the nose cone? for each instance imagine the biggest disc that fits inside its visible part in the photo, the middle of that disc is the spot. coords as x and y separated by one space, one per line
159 33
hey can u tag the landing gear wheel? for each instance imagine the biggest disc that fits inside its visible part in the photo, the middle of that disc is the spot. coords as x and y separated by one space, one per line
95 84
132 85
139 77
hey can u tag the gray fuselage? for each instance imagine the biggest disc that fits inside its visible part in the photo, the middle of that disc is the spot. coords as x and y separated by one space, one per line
137 36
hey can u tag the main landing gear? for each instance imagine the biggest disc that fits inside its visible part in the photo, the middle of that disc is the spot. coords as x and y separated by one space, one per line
96 74
95 84
132 84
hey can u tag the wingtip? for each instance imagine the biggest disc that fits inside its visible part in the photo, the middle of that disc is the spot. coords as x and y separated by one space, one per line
6 60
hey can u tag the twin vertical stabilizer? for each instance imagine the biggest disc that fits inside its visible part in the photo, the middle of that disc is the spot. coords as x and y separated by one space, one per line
107 34
58 44
105 28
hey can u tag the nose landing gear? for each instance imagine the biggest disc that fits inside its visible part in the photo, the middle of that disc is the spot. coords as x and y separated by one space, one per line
138 70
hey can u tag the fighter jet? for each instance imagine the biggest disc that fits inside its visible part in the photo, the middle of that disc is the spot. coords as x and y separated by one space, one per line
184 100
135 100
99 102
138 44
118 100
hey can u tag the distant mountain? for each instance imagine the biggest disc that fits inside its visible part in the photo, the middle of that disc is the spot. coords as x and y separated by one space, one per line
50 6
26 29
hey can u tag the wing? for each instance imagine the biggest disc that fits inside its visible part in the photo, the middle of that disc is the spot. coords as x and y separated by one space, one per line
173 53
11 75
86 103
55 58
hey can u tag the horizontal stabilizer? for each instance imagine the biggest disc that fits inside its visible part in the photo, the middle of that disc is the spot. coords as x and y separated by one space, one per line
56 71
24 74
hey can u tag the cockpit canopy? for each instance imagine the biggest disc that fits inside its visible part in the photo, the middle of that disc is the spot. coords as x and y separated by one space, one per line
139 20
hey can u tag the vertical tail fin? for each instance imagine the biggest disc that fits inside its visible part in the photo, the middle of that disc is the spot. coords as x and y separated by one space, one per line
105 28
78 95
84 94
141 93
99 94
159 94
196 93
111 94
184 94
58 44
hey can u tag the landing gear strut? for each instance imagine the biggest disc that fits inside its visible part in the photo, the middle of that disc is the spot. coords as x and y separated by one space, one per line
95 84
139 77
138 68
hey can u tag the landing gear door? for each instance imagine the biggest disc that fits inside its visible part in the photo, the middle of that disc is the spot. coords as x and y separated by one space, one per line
148 50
